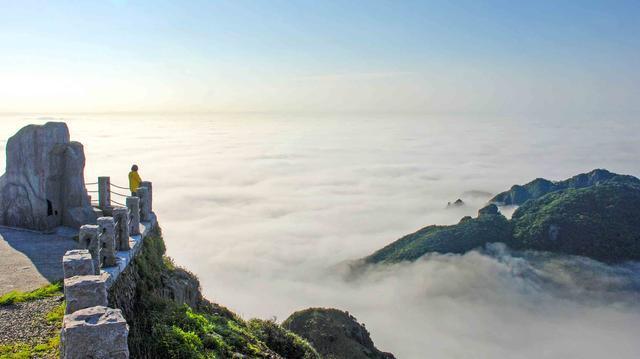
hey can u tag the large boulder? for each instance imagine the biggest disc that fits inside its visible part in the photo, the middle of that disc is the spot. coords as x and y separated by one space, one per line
43 186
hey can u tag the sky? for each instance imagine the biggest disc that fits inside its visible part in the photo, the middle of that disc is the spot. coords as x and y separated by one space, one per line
319 56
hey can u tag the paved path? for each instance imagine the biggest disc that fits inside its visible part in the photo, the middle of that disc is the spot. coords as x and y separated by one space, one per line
29 260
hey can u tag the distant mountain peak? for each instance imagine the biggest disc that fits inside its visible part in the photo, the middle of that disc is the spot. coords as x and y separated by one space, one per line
518 194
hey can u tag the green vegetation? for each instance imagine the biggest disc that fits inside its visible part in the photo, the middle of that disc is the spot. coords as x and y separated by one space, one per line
162 327
50 290
335 334
47 347
539 187
282 341
56 314
601 222
470 233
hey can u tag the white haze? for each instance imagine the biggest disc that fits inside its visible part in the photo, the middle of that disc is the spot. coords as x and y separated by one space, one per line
262 208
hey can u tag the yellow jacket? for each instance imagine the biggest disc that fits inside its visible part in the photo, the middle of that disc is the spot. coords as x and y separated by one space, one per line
134 181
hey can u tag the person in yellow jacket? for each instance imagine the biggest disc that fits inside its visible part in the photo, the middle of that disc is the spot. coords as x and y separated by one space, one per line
134 180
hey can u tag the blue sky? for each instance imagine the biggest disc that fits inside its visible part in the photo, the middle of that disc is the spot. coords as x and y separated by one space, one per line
406 56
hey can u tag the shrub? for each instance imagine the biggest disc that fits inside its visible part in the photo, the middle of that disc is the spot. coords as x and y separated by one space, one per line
282 341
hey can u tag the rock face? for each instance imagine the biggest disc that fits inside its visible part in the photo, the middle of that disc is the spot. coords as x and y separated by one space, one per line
334 334
490 210
43 186
181 287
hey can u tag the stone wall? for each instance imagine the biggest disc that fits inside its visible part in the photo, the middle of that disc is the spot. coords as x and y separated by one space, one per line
148 282
101 283
179 286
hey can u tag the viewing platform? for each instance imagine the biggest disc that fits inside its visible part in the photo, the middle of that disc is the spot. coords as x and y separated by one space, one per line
30 259
52 229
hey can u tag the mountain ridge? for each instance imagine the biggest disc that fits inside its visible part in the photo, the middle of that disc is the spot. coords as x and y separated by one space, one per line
595 214
519 194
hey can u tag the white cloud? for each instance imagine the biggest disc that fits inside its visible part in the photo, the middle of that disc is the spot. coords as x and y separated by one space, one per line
262 209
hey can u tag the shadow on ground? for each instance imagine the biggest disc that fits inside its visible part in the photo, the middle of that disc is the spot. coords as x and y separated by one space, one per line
29 260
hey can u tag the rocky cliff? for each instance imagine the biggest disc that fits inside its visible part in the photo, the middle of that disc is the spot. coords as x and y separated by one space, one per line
169 318
166 314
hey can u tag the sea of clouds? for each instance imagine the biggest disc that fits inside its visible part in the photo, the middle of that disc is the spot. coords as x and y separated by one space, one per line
265 208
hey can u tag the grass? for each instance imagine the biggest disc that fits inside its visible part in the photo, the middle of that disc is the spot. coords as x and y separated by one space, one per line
15 296
161 327
48 347
18 351
56 314
282 341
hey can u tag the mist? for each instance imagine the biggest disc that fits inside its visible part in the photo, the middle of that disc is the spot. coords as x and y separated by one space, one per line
265 209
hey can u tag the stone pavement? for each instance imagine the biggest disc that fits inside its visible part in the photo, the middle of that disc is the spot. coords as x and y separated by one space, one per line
29 260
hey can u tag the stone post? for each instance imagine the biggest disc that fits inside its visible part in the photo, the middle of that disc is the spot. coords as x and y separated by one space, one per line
88 238
84 291
96 332
106 234
104 192
121 218
77 262
133 205
148 186
145 212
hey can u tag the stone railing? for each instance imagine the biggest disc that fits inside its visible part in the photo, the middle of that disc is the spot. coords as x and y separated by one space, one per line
90 329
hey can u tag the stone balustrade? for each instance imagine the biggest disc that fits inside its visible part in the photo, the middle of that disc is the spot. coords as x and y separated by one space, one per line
91 329
104 192
88 238
84 291
95 332
133 205
121 219
77 262
145 209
